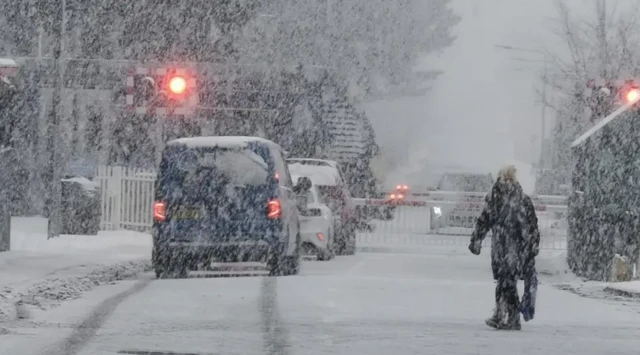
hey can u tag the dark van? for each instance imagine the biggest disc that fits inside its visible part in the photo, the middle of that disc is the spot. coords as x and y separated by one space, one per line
225 199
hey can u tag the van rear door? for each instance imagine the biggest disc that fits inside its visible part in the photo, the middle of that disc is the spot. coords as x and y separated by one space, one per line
216 194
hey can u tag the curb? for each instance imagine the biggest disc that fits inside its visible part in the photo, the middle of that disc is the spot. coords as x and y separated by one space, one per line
624 293
50 292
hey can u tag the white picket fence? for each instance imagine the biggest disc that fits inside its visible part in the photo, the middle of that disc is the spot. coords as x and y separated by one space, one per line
126 197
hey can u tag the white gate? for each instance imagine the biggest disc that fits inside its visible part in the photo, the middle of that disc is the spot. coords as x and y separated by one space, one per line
126 197
409 224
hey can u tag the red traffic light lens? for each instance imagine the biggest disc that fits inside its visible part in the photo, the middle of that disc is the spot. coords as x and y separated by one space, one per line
177 85
632 95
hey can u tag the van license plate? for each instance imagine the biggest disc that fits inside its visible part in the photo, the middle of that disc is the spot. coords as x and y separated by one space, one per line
187 213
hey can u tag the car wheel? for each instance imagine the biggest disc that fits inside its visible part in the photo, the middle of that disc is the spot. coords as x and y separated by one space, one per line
280 264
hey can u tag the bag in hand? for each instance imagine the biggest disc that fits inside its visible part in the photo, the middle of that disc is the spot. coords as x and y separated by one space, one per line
475 247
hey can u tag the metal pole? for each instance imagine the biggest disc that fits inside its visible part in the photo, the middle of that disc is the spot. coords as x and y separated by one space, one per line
40 34
543 133
55 193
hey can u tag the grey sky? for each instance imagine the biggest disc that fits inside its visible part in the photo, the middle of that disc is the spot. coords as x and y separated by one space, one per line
483 110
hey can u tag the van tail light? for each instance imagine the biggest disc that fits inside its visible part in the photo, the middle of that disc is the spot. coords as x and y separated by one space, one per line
274 209
159 214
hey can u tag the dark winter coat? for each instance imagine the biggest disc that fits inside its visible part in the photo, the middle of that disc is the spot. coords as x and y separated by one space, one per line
510 215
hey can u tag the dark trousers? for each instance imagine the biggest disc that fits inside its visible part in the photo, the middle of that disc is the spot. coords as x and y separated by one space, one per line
507 298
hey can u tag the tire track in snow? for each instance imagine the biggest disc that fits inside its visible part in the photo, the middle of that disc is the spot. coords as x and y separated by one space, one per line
276 335
88 328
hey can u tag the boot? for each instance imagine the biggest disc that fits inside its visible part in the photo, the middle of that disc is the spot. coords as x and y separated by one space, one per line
496 319
513 319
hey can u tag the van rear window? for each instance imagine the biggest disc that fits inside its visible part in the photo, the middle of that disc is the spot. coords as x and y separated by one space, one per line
237 167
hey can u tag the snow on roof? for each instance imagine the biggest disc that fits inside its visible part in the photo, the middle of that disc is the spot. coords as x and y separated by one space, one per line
87 184
329 162
219 141
319 175
7 62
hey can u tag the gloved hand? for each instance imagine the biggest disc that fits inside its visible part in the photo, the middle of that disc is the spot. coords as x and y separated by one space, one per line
475 247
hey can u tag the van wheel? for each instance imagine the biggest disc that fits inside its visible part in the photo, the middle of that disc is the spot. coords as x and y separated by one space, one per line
280 264
293 261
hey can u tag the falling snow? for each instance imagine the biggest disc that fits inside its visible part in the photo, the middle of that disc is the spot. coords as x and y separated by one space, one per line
375 175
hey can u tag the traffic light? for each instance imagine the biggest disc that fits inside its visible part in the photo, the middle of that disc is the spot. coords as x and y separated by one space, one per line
631 95
163 91
177 85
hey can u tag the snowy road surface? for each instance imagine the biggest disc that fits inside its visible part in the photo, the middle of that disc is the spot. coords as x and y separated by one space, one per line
365 304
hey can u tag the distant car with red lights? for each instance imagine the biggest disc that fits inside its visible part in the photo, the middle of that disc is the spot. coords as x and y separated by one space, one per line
399 194
401 189
226 199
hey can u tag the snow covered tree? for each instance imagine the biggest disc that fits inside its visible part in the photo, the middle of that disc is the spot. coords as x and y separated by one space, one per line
603 217
374 44
600 47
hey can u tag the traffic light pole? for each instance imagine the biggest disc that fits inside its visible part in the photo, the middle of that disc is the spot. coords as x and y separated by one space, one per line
54 202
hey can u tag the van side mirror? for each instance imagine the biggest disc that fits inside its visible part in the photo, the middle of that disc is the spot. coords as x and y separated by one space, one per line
303 185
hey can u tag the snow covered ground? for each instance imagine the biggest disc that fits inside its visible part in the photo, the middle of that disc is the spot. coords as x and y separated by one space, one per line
380 303
624 289
41 273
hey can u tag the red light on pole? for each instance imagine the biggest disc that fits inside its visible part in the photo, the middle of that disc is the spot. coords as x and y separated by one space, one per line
177 85
633 95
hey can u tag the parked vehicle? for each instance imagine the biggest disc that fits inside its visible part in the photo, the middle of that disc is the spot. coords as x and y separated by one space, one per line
317 225
326 176
226 199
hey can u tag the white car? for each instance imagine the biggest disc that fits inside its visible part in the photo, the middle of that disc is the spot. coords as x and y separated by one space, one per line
327 178
316 226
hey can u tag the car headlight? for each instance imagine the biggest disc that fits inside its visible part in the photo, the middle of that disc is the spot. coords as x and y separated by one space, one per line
437 211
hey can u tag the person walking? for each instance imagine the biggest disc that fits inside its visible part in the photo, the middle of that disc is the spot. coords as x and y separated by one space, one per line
510 216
